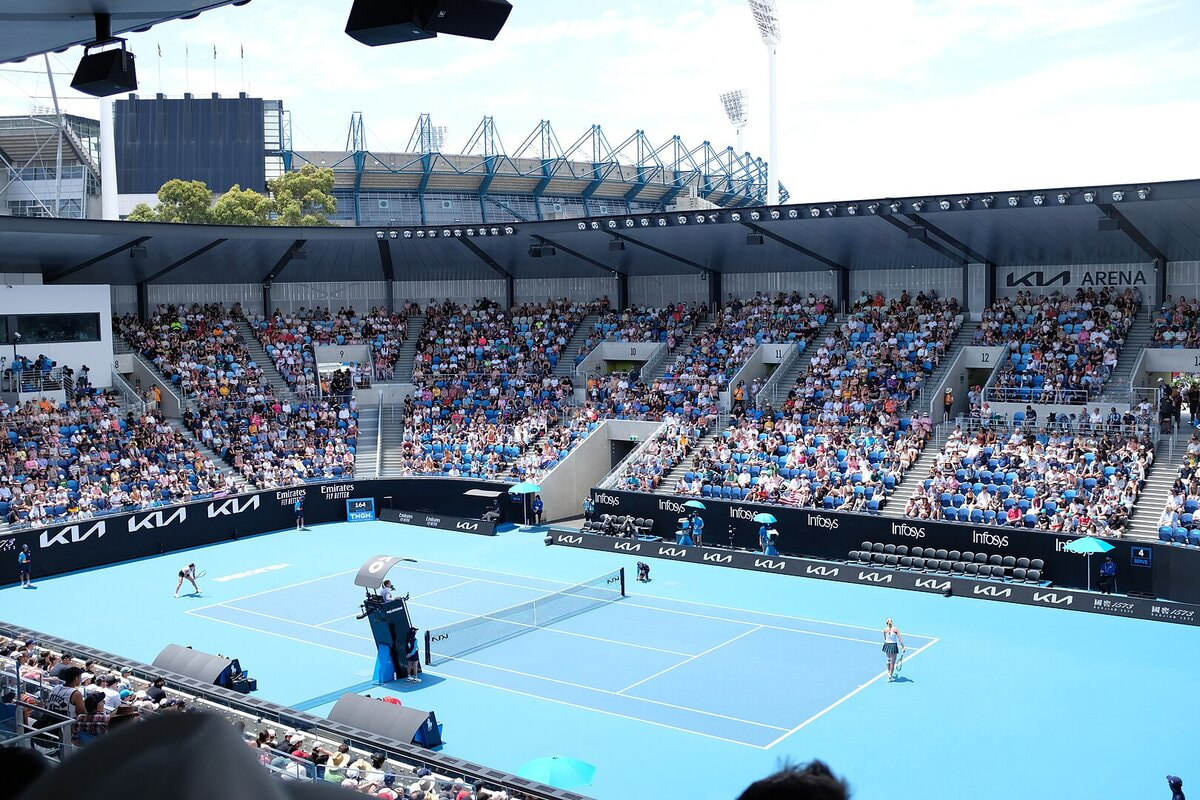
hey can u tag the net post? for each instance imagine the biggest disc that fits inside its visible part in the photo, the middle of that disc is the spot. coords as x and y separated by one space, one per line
428 655
623 582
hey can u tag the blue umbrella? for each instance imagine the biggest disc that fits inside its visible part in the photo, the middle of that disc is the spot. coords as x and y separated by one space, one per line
765 518
1088 545
694 504
564 773
525 488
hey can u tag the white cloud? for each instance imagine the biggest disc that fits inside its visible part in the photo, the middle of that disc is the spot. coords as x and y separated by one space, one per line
876 97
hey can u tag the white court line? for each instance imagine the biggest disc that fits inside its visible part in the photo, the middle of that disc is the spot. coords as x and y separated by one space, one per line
827 709
283 636
614 694
294 622
558 630
413 597
756 625
608 713
690 659
276 589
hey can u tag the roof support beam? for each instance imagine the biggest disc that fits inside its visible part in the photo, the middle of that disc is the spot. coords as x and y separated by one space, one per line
611 270
509 287
1129 229
925 240
664 253
96 259
283 261
965 250
799 248
184 260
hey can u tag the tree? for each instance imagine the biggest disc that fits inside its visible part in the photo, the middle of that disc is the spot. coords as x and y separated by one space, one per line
142 213
241 206
304 197
184 201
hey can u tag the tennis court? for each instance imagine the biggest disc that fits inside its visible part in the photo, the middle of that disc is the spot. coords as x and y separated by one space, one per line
698 682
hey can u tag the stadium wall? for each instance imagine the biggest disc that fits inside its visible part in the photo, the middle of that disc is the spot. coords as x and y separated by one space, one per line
745 284
574 288
659 290
1069 278
1183 278
467 291
946 282
818 533
102 540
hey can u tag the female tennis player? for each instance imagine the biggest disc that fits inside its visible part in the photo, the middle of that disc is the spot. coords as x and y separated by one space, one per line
188 572
893 643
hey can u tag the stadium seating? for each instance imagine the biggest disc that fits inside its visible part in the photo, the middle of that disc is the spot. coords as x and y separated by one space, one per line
1061 348
1081 481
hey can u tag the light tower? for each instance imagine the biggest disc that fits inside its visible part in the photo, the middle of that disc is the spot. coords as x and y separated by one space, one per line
766 16
735 109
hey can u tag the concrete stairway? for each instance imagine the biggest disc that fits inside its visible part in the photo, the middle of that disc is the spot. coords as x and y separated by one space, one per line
402 373
121 345
391 437
676 472
1116 388
1168 455
964 337
259 356
368 442
222 466
565 368
682 347
787 381
911 481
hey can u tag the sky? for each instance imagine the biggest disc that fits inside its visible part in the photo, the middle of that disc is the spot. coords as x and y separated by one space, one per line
876 98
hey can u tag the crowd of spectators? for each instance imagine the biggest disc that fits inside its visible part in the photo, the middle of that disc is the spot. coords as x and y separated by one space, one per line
289 338
1180 518
102 700
1175 323
1062 347
645 471
841 438
485 391
270 441
1081 480
64 461
670 325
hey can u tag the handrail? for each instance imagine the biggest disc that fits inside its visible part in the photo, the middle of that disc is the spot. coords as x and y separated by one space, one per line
379 438
126 389
611 477
768 389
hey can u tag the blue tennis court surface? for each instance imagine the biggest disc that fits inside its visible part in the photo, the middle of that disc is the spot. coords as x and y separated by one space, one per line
696 683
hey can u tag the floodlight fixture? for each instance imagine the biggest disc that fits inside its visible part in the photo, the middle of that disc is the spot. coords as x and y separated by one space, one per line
736 109
873 208
831 211
612 224
987 200
644 222
470 233
735 216
483 231
420 234
408 234
1118 196
1089 196
699 219
595 225
852 209
917 205
774 213
582 226
393 233
681 219
629 223
1014 200
1143 193
379 234
895 206
458 233
1063 198
662 222
1038 199
714 217
793 213
964 203
814 212
446 232
755 216
944 205
496 231
766 17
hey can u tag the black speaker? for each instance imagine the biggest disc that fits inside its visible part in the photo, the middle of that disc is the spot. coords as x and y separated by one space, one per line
105 73
376 22
402 723
478 19
203 667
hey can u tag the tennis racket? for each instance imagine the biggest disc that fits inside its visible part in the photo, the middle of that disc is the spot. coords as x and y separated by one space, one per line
200 573
900 661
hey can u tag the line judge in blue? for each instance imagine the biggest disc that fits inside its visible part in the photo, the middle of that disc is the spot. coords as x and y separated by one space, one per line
766 540
298 507
698 528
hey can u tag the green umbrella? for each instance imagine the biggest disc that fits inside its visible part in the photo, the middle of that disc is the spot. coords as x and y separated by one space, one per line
564 773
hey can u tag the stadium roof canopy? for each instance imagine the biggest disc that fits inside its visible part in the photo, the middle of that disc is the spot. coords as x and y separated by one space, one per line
32 27
1128 224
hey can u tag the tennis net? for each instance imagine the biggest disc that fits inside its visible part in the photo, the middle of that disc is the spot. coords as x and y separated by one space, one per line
461 638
